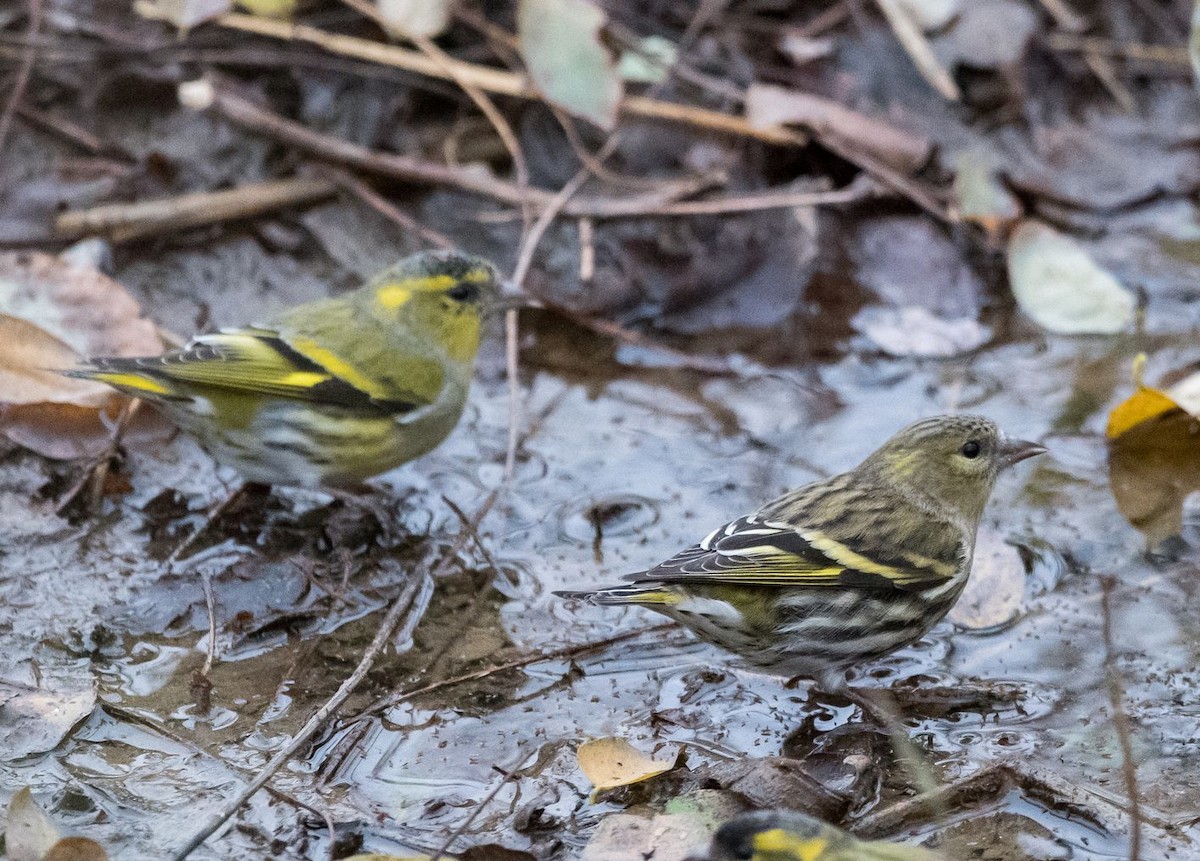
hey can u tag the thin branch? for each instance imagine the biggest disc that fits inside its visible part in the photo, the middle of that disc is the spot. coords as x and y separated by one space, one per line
385 207
499 81
121 222
466 823
1116 696
415 596
1167 55
517 664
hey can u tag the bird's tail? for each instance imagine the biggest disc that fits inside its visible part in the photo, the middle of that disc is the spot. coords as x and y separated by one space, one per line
646 595
128 375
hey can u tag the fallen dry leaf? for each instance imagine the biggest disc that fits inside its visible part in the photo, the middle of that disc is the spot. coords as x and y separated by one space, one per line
52 312
992 597
560 42
29 833
32 836
1061 288
663 837
768 105
612 762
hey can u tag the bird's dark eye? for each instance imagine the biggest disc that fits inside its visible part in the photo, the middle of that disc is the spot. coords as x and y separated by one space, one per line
971 449
463 292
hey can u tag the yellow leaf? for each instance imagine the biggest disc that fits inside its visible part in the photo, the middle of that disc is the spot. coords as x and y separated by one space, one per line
613 762
1148 403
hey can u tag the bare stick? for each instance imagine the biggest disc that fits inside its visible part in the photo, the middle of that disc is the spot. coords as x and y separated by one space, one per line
386 208
918 49
524 260
67 130
390 621
499 81
1116 696
1167 55
466 823
519 663
121 222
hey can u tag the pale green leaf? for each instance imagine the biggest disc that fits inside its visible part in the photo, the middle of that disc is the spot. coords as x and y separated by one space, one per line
560 43
1057 283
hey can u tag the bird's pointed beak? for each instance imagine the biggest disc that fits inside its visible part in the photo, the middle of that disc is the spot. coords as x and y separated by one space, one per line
511 298
1016 450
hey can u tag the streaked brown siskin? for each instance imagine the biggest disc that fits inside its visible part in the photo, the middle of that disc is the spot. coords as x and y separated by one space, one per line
843 570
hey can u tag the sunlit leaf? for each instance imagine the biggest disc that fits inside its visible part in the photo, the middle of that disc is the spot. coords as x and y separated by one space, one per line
416 17
992 597
1061 288
560 43
1148 403
612 762
29 834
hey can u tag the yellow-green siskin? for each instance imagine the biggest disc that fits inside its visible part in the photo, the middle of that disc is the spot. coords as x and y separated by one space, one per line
790 836
842 570
331 392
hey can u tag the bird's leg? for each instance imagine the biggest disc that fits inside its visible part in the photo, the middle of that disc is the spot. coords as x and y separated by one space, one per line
213 515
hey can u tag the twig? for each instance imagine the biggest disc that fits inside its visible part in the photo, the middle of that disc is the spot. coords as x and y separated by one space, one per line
918 49
121 222
385 207
499 81
524 261
1168 55
245 113
409 597
210 604
390 622
28 57
512 358
775 199
69 131
519 663
137 718
990 783
1116 696
466 823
